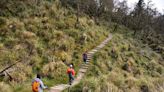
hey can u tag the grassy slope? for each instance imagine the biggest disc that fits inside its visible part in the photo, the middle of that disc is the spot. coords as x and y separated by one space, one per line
125 65
46 32
42 38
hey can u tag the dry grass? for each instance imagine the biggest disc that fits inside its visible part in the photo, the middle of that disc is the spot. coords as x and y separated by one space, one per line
143 69
5 87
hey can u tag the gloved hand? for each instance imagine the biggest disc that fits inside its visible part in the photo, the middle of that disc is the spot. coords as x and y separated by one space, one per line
46 87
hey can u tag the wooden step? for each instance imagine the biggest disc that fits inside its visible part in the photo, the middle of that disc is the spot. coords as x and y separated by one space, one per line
82 70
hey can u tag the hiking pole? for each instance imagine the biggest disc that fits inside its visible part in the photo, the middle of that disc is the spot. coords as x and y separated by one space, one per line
69 89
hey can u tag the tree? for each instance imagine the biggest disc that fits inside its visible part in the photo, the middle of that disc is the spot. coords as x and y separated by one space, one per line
105 8
120 13
106 5
159 24
137 15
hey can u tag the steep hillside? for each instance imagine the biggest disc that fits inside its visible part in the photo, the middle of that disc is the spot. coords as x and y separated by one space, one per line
42 37
125 65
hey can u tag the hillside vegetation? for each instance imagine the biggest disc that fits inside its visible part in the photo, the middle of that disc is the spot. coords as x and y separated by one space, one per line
43 37
125 65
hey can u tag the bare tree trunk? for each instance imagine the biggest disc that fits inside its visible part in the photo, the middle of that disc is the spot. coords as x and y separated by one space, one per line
77 14
78 9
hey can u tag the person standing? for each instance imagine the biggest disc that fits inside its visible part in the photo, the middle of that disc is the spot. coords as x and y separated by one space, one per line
85 57
37 84
71 73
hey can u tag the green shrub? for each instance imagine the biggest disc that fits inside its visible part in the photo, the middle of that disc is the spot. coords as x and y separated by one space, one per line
91 83
160 70
62 44
90 22
2 22
55 70
63 56
31 28
70 22
8 57
60 24
35 61
74 34
21 73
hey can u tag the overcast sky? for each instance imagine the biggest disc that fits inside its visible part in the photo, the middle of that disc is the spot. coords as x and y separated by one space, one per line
159 4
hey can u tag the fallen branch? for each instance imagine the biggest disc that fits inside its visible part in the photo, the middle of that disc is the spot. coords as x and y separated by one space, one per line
15 63
10 77
9 66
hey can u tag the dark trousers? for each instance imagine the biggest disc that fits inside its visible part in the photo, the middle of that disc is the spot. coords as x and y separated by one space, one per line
85 60
71 78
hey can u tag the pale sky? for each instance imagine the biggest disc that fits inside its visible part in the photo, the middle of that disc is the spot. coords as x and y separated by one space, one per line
159 4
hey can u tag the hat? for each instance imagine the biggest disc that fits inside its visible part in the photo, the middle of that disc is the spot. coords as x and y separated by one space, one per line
70 66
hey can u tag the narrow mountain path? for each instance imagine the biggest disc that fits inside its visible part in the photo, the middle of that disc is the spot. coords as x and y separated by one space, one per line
83 68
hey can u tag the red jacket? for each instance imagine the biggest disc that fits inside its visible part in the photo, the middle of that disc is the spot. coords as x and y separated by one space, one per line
70 70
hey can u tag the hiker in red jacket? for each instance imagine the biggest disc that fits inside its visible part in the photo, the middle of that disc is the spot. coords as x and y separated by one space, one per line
71 74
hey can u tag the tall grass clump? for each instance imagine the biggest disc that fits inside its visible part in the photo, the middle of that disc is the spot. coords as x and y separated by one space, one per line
5 87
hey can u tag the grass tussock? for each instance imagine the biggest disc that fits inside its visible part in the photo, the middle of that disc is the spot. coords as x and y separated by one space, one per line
5 87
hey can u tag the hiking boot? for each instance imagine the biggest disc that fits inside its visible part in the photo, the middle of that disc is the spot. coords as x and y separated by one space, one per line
70 83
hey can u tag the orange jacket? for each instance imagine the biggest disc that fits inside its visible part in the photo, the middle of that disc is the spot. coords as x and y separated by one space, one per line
70 70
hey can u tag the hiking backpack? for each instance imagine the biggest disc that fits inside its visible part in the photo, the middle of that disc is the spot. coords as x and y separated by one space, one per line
35 86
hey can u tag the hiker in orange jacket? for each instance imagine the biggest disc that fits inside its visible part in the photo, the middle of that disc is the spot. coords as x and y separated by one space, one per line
71 74
37 84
